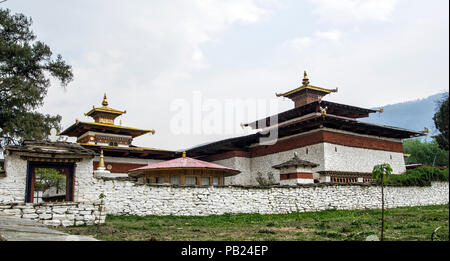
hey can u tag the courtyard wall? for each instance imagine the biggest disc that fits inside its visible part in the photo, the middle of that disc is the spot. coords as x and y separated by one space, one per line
130 198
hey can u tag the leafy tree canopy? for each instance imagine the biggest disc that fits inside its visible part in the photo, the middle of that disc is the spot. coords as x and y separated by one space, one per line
441 122
49 178
427 153
26 66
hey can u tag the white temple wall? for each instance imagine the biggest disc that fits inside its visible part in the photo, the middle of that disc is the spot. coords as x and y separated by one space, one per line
240 163
12 187
330 157
344 158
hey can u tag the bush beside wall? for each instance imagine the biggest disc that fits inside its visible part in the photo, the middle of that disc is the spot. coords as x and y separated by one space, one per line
422 176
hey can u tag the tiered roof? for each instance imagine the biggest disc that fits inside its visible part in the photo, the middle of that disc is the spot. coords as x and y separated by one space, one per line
305 87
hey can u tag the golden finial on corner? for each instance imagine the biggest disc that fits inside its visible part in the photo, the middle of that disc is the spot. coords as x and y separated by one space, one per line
305 79
184 154
425 130
105 102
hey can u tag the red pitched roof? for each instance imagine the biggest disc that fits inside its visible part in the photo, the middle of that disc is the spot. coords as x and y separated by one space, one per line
185 162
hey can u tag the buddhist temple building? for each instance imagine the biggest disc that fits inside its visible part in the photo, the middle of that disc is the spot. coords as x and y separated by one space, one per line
329 136
183 171
120 155
325 133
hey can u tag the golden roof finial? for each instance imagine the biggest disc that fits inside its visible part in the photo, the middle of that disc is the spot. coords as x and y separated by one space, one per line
105 102
305 79
184 154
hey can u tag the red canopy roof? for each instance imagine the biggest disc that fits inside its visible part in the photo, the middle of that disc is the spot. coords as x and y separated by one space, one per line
187 163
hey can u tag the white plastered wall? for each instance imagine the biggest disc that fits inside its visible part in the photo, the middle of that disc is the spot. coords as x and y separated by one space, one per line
344 158
330 157
12 187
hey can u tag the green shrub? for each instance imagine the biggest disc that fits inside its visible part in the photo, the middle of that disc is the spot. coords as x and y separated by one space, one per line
422 176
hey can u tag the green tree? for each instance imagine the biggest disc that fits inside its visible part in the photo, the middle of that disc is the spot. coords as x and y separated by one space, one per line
380 173
49 178
26 66
427 153
441 122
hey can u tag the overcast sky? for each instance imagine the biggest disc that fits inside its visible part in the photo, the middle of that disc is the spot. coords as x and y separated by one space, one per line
145 54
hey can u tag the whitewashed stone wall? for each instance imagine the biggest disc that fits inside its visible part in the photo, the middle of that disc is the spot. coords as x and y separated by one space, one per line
124 196
12 187
129 198
58 214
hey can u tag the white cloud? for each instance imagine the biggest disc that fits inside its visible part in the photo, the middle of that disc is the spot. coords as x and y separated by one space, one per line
299 43
334 35
344 11
142 55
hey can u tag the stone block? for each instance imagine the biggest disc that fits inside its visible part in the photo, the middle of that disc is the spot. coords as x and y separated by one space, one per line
85 212
59 210
79 223
89 218
30 216
52 222
29 211
67 223
42 210
79 218
59 217
45 216
12 212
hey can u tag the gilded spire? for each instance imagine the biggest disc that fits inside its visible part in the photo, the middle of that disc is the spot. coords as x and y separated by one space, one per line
105 102
184 154
305 79
101 163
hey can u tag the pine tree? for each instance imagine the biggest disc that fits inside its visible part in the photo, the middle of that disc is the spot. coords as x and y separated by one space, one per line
25 69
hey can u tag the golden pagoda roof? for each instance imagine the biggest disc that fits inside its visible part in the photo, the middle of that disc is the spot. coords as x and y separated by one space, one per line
305 86
104 108
79 128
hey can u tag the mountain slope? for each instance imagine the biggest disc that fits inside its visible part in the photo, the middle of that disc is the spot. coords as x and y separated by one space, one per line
412 115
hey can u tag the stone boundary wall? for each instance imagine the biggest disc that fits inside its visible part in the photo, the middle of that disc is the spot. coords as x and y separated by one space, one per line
130 198
57 214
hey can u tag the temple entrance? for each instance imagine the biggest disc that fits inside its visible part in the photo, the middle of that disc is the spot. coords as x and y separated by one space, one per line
49 182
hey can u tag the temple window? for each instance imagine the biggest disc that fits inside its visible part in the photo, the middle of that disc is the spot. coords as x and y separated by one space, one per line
216 181
159 180
149 180
205 181
174 179
191 180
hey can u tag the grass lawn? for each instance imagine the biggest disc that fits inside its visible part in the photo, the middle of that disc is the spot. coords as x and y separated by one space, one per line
405 223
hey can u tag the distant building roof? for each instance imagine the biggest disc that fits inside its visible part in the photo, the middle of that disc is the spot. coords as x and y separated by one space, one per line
183 163
40 148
